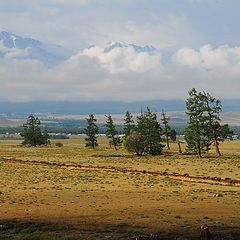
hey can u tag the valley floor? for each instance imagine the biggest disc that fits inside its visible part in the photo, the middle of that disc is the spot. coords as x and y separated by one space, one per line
39 200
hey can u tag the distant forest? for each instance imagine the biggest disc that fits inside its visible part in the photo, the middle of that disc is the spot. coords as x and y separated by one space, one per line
77 127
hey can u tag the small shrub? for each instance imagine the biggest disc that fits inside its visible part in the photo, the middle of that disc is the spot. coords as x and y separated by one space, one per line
134 143
59 144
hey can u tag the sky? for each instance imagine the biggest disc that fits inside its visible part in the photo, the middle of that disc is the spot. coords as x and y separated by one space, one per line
197 42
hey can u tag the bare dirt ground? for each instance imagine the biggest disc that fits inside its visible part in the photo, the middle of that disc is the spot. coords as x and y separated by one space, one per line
56 201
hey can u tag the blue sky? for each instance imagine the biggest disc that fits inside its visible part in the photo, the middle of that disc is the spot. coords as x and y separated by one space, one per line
77 23
197 41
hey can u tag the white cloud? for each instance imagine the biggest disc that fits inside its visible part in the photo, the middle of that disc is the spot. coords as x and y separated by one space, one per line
123 75
123 59
208 57
176 29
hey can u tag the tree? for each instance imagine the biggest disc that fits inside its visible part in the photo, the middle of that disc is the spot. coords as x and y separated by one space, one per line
32 133
165 121
112 133
134 143
45 137
128 124
224 132
150 132
173 135
91 131
197 134
212 107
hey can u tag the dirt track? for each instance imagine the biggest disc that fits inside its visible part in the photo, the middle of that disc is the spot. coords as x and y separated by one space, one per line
185 177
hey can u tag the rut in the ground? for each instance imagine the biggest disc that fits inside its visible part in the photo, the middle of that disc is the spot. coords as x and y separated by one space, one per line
183 177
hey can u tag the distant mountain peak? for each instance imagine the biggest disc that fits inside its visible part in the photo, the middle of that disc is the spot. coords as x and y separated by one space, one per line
47 53
117 44
11 40
138 48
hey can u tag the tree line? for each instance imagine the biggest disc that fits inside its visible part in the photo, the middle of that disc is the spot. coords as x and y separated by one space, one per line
146 135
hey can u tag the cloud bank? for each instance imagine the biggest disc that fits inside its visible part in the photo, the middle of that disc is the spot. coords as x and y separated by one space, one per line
121 74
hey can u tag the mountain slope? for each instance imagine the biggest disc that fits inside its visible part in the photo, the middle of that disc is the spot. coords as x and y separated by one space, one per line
29 48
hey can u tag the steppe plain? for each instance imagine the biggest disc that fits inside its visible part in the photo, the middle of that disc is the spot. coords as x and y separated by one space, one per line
72 192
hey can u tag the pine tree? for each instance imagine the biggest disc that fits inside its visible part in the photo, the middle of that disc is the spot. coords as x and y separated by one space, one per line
45 137
212 107
167 129
112 133
32 133
150 131
91 131
173 135
197 132
128 124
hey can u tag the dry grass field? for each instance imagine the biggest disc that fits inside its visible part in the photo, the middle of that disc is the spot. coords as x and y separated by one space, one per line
71 192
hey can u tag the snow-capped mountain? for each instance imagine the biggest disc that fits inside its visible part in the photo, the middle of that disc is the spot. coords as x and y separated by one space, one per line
18 47
32 49
137 48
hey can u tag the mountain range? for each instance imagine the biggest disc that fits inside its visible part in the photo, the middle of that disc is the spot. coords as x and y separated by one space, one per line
53 54
101 107
112 45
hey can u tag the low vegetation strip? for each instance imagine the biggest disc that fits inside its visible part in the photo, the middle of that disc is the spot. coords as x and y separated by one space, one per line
177 176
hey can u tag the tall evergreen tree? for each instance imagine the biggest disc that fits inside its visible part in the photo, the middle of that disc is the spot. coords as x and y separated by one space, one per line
112 133
45 137
128 124
173 135
167 129
91 131
212 107
32 133
197 132
150 132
